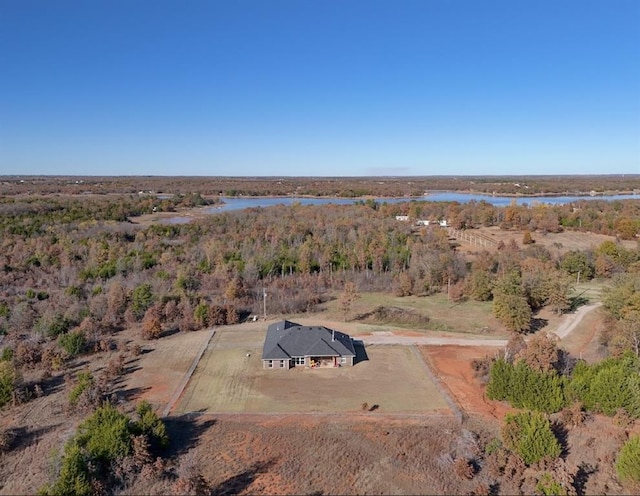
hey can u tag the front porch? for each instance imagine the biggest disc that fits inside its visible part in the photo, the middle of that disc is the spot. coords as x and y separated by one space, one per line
323 362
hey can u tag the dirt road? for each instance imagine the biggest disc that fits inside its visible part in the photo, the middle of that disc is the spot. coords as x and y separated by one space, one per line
569 323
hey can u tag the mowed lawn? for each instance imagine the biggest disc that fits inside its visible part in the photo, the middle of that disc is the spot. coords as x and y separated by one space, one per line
227 380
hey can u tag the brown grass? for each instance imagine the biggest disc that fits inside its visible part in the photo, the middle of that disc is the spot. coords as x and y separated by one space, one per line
227 380
306 455
557 243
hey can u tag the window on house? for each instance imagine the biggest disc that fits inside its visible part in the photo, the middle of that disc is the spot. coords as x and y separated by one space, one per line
270 364
343 360
299 360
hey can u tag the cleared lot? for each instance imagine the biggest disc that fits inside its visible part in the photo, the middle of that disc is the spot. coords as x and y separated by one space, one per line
227 380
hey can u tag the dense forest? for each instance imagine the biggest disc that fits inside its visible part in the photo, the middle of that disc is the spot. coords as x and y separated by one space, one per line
72 261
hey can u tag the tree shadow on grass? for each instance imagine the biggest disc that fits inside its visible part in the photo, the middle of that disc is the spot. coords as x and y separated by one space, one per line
537 324
238 483
132 394
560 431
185 431
21 437
169 332
582 476
576 302
51 384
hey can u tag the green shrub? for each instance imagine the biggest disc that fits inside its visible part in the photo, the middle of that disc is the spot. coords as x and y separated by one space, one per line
6 355
151 425
73 343
628 464
201 315
52 327
529 435
75 291
104 438
609 385
107 270
8 380
548 486
74 475
85 381
141 300
524 387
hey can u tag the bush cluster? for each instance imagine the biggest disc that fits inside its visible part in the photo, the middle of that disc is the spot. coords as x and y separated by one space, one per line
605 387
524 387
104 438
529 435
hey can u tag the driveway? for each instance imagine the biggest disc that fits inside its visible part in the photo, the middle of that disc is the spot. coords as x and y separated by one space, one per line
568 324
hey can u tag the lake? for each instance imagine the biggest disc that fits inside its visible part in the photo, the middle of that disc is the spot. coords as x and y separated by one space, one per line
242 203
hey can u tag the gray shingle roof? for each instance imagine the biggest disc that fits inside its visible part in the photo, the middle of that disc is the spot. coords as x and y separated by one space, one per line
287 339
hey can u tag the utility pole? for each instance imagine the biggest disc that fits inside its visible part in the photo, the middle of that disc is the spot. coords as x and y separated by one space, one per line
578 281
264 303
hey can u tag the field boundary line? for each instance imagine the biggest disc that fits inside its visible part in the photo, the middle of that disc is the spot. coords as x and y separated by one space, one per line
334 417
444 390
175 396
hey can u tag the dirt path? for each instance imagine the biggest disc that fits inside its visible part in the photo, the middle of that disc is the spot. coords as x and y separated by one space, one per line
573 320
391 338
569 323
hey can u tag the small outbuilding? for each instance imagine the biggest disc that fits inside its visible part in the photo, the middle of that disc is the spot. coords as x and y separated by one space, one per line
288 344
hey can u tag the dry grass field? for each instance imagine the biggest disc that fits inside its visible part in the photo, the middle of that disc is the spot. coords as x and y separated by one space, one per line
157 372
227 380
556 243
444 316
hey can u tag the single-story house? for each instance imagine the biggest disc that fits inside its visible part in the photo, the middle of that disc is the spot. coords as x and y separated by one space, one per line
288 344
425 222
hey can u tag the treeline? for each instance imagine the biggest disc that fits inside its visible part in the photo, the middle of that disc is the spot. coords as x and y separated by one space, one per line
37 215
325 186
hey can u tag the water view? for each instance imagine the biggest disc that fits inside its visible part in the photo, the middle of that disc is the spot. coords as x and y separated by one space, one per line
231 204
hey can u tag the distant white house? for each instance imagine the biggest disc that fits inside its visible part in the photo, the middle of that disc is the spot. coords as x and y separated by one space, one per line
425 222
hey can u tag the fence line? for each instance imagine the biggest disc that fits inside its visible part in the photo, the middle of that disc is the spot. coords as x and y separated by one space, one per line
475 239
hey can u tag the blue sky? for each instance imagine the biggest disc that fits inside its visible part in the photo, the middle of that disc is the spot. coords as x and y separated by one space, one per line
323 87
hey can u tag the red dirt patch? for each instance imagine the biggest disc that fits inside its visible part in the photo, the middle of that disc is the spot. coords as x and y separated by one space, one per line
453 366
